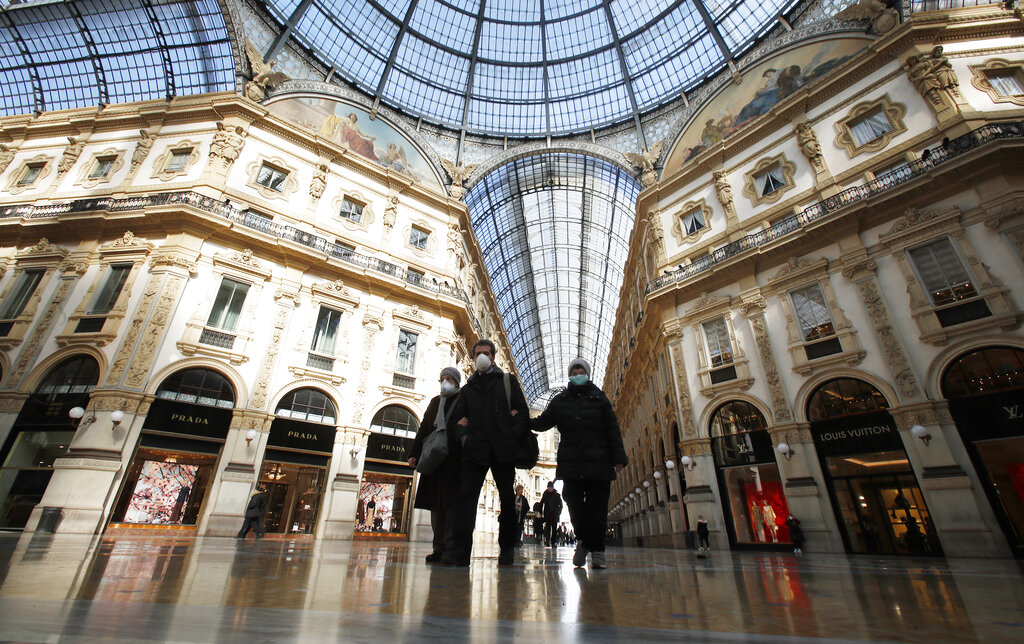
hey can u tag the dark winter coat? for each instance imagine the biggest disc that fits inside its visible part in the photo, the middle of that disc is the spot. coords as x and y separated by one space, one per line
796 533
257 506
491 427
440 488
591 444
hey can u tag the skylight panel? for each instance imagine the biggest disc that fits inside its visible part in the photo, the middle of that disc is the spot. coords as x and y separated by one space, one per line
396 8
504 83
576 36
630 15
432 65
446 25
506 42
282 9
555 9
422 97
512 10
526 119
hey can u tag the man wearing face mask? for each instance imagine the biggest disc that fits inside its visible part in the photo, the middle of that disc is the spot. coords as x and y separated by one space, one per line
490 436
590 456
438 490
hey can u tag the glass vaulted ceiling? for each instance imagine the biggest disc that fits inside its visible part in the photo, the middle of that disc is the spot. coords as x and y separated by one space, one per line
527 68
554 230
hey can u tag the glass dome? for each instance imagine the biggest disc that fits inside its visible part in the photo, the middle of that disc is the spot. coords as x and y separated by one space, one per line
522 68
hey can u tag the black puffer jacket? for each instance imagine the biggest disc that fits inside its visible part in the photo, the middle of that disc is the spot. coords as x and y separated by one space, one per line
492 428
591 444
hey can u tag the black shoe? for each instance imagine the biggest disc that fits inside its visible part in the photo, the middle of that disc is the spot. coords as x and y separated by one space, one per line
507 557
434 557
455 559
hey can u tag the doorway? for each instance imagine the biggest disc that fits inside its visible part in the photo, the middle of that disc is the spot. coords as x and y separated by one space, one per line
293 496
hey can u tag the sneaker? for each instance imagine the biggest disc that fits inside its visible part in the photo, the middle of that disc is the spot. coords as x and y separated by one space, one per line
507 557
579 558
597 560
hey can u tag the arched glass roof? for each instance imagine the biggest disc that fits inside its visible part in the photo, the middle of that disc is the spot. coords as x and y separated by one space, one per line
77 53
522 67
554 230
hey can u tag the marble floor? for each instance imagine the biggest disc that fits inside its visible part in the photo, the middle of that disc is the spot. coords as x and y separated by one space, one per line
70 588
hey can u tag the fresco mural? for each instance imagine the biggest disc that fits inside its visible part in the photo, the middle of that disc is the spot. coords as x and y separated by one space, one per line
763 86
351 127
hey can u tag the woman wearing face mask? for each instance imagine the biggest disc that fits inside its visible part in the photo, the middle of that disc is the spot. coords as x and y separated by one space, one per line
590 455
439 490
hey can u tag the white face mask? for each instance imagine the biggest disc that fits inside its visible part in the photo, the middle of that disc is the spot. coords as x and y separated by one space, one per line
446 387
483 363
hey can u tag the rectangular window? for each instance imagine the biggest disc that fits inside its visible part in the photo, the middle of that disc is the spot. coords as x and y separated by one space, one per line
341 249
326 332
406 351
178 160
414 276
770 180
418 237
271 177
30 174
719 347
258 220
693 222
1006 82
111 289
942 273
812 313
18 298
869 127
351 210
102 168
228 305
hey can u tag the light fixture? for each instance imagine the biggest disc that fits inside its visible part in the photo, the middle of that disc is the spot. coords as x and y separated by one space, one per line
670 464
632 496
647 484
77 412
250 436
354 452
920 431
116 417
687 461
786 450
657 474
638 490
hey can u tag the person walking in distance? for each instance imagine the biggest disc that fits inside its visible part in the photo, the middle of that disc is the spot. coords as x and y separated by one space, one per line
796 534
254 513
590 456
522 509
491 427
551 509
703 534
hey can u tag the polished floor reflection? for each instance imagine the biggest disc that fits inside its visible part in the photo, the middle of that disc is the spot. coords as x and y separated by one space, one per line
68 588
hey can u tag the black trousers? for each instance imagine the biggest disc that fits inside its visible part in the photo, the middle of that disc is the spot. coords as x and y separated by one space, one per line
472 480
442 522
588 508
251 522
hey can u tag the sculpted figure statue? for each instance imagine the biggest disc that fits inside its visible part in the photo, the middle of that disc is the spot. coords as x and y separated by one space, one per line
459 174
809 144
645 161
263 73
71 154
227 142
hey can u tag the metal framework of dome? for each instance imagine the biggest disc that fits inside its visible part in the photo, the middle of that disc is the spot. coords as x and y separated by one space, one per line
525 68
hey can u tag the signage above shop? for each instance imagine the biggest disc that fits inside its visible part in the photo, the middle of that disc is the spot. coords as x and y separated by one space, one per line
861 434
183 418
389 448
300 435
999 415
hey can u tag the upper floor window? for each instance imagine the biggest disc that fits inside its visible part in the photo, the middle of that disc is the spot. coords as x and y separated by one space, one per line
406 351
111 289
396 420
178 160
30 174
341 249
19 295
1006 82
351 210
228 306
942 273
271 177
102 167
308 404
200 387
326 332
414 276
419 237
693 222
769 180
870 126
812 312
716 333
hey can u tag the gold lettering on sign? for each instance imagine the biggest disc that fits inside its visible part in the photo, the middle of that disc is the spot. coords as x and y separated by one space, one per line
303 435
194 420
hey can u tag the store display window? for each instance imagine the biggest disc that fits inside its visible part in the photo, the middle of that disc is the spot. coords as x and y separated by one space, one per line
164 487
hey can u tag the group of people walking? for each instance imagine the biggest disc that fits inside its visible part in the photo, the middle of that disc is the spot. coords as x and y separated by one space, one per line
485 423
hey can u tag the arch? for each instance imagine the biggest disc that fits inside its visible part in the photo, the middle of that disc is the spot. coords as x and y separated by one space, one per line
235 378
396 400
540 148
86 373
398 422
949 355
704 421
310 404
738 406
281 392
803 394
31 381
199 379
850 397
1008 361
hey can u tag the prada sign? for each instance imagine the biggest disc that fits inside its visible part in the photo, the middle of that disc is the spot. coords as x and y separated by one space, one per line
861 434
385 447
300 435
183 418
999 415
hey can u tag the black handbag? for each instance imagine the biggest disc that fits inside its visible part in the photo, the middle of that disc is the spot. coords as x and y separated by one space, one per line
527 451
435 450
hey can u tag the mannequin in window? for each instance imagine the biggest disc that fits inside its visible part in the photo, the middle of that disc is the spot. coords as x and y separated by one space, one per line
755 514
769 521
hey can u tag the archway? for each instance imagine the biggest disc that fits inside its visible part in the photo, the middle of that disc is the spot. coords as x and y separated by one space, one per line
384 509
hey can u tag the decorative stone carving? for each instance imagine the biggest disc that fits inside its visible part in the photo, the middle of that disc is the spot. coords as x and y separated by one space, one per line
980 79
780 402
6 156
892 345
150 340
882 18
750 187
246 258
141 151
43 247
319 182
894 112
655 231
128 240
263 73
645 162
688 208
40 332
922 74
724 192
124 352
459 174
706 301
227 143
682 388
809 145
266 372
943 70
71 153
76 267
174 260
390 212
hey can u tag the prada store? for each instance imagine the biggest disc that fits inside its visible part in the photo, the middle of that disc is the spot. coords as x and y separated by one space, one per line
385 492
294 472
173 464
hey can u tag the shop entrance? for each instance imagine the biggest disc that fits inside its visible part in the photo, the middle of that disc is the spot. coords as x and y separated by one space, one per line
294 492
878 504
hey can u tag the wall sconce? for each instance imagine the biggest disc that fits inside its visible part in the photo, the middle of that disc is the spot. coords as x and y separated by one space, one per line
638 491
77 412
786 450
250 436
687 461
647 484
919 431
354 452
116 417
657 474
670 465
632 496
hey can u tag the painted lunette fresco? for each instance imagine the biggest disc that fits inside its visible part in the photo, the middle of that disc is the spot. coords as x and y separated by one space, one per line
352 127
763 86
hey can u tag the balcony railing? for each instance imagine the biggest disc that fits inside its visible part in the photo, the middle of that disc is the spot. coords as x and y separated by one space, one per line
317 361
217 339
936 156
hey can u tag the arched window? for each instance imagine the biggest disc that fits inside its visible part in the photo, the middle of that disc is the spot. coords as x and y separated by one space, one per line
844 397
985 371
310 405
198 387
397 420
77 375
738 431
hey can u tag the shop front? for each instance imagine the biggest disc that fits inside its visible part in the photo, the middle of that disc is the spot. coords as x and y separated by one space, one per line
985 390
42 433
176 457
294 471
753 501
874 492
384 508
